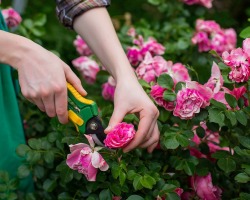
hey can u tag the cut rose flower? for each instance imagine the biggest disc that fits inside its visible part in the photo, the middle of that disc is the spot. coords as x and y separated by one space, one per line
120 135
11 17
86 160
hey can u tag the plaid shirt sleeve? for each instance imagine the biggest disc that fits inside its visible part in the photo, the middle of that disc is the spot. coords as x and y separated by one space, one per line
67 10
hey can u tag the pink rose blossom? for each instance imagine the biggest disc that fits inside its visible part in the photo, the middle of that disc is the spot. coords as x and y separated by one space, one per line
157 94
210 36
191 99
178 72
204 187
151 67
108 89
246 48
81 46
116 198
11 17
153 47
239 93
178 191
120 136
134 55
131 32
205 3
85 159
216 81
87 67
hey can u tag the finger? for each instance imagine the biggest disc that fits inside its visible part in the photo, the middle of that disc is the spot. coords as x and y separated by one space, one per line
116 118
144 126
154 139
61 105
39 104
49 104
74 81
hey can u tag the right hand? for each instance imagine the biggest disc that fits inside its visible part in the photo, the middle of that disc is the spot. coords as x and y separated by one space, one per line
43 79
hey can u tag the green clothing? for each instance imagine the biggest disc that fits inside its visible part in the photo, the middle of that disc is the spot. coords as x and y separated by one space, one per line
11 130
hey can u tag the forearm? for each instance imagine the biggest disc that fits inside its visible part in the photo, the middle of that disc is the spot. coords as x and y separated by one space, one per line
13 47
96 28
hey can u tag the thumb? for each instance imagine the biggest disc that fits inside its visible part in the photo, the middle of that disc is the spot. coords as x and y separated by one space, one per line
116 118
72 78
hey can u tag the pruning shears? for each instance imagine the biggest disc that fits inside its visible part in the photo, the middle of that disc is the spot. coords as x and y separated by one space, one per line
84 115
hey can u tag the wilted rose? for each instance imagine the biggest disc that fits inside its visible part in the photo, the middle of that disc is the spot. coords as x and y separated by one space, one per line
120 135
86 160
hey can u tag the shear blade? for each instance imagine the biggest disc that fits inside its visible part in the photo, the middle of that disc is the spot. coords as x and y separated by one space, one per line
95 128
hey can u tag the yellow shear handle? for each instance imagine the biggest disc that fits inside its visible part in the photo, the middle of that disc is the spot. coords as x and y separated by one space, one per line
78 96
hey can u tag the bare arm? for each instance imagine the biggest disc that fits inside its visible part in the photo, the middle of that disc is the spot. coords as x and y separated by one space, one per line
96 28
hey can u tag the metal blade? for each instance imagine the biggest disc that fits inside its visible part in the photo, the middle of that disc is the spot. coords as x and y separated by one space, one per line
94 127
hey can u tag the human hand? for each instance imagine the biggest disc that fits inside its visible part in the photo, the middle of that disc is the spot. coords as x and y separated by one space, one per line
131 98
42 77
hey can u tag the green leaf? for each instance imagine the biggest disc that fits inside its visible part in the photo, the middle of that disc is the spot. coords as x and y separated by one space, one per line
169 96
105 194
222 66
28 23
241 117
165 81
215 54
172 196
189 168
231 116
170 143
23 171
116 189
245 33
67 175
244 141
39 171
137 183
135 197
131 174
220 154
49 157
216 116
115 170
52 137
49 185
122 177
244 196
147 181
35 143
242 178
154 2
144 83
22 149
4 176
231 100
65 196
218 104
226 164
200 132
40 20
182 140
12 196
179 86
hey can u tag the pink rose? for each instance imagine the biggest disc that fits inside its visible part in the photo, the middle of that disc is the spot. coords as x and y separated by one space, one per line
178 191
204 188
120 135
202 40
11 17
86 160
205 3
151 67
81 46
239 93
191 99
216 81
246 47
116 198
157 94
153 47
108 89
134 55
178 72
87 67
131 32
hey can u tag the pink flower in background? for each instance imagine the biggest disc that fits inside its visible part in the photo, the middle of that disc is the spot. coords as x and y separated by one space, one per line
151 67
157 94
131 32
87 67
216 81
137 53
239 93
246 48
205 3
11 17
210 36
120 135
134 55
178 191
108 89
116 198
178 72
204 187
85 159
191 99
81 46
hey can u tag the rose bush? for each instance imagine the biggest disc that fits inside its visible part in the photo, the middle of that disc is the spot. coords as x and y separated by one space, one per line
203 99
